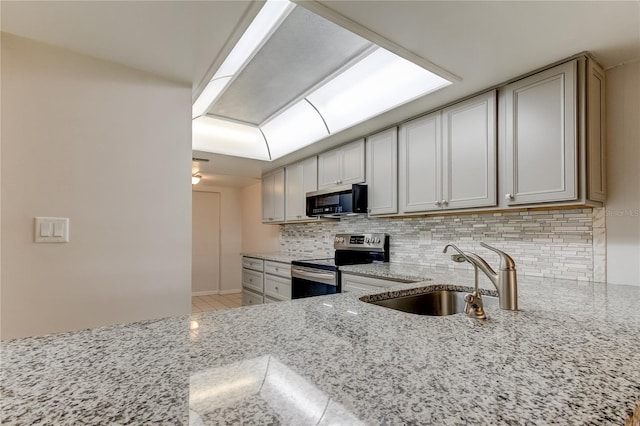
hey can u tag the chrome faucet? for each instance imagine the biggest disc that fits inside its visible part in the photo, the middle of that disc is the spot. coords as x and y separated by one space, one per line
505 280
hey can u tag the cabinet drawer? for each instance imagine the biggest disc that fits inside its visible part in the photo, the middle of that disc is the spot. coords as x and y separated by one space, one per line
369 284
253 263
277 287
251 298
349 285
277 268
252 280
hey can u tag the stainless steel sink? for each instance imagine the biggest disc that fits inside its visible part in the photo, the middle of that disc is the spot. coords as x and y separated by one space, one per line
438 303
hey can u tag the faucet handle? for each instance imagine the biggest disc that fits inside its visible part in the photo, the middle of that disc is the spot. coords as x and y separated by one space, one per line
506 261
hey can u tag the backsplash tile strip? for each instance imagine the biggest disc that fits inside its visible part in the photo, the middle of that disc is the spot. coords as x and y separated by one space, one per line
553 243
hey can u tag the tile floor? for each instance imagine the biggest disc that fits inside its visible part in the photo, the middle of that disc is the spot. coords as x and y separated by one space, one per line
215 302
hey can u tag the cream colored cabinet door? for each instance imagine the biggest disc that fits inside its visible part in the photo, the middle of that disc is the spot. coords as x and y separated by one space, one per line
273 198
352 167
342 166
419 152
250 298
300 178
382 172
596 158
540 139
469 150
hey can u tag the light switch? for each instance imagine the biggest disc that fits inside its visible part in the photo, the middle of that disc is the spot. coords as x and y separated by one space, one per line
45 229
51 229
58 229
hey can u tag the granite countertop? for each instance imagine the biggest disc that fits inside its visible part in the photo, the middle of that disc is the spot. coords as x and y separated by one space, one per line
287 257
391 271
569 356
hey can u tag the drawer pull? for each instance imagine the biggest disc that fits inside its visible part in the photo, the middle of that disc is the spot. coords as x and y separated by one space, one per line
276 288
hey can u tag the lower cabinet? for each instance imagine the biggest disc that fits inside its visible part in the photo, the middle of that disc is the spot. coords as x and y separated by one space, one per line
251 298
352 282
265 281
252 281
277 280
277 287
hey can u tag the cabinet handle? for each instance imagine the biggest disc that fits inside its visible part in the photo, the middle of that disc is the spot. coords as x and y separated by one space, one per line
508 197
277 288
438 203
445 202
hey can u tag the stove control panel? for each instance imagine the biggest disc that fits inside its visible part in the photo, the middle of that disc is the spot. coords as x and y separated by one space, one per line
360 241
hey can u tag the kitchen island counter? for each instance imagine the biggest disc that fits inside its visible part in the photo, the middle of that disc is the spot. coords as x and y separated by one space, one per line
569 356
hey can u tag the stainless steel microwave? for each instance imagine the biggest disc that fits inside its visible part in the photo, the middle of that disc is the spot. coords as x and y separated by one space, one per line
338 201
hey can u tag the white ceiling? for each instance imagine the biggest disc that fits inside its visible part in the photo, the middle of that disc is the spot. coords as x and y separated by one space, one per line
174 39
483 42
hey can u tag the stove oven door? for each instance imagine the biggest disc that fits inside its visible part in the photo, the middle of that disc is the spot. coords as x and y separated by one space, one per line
308 282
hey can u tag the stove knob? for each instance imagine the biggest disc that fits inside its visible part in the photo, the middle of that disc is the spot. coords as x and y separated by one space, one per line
377 240
367 240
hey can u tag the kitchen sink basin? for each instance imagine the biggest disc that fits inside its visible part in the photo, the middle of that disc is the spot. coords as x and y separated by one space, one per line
437 303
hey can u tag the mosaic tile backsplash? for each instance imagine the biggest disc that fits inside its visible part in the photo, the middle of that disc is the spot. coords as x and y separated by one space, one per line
553 243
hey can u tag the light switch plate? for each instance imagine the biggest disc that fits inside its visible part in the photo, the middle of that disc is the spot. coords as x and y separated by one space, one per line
51 229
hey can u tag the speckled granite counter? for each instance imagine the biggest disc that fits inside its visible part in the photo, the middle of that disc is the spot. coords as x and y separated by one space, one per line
570 356
391 271
286 257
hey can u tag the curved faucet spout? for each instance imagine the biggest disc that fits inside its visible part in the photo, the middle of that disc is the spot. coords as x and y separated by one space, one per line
505 280
486 268
459 251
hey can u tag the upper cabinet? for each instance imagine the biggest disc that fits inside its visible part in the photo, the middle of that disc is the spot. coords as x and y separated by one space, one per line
300 178
382 172
540 143
470 143
341 166
448 158
273 196
597 183
553 140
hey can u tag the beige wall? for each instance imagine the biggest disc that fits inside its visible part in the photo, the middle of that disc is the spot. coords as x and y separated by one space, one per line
108 147
230 237
623 174
205 243
256 237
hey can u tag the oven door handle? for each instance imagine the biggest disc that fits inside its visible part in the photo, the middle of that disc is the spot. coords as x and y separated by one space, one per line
305 274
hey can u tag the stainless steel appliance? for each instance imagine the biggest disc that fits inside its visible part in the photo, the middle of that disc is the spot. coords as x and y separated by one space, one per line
337 201
318 277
